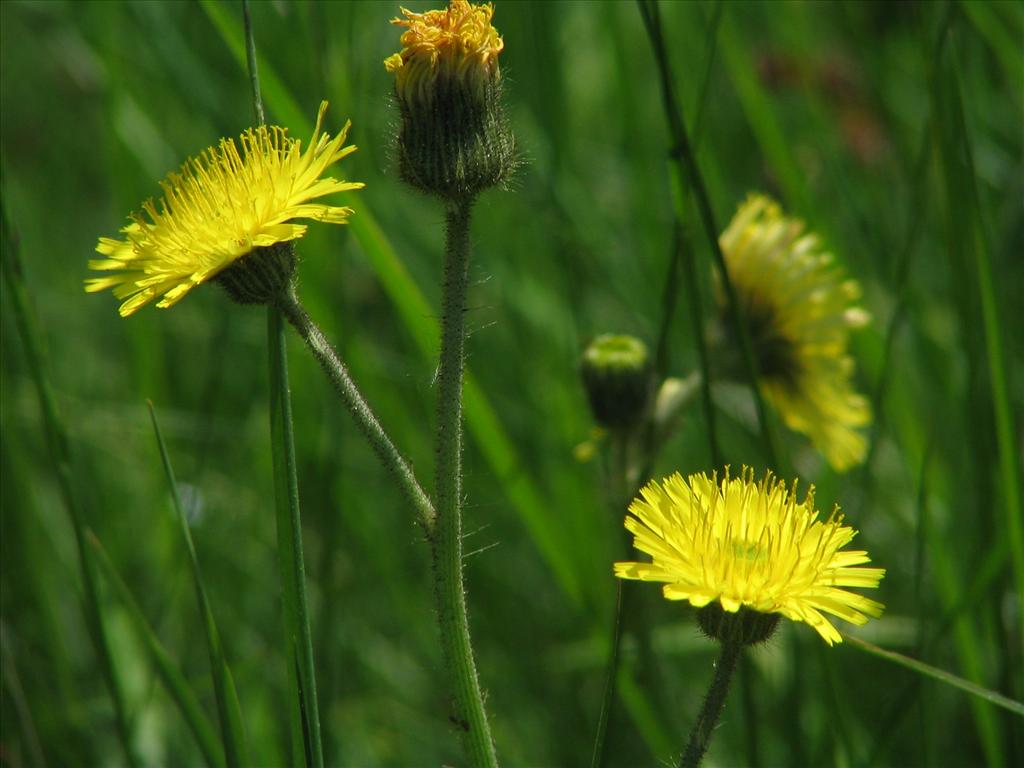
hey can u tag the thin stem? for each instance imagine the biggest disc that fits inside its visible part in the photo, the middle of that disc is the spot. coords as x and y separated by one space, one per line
669 299
618 487
299 641
714 702
60 454
368 424
610 675
254 75
469 715
696 319
682 156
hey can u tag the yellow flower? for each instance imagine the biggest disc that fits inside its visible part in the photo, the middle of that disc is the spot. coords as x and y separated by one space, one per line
458 42
749 545
220 207
799 311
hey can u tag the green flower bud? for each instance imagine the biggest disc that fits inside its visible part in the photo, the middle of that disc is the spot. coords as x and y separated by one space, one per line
618 375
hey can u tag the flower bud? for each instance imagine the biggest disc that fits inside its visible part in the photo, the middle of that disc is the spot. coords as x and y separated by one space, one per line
453 141
617 374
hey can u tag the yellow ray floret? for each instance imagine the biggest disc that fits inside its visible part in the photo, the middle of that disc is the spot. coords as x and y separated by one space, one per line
799 312
458 41
218 208
747 544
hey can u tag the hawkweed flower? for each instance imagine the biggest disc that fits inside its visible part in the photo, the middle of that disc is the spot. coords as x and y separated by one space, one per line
618 375
747 553
228 215
799 311
453 141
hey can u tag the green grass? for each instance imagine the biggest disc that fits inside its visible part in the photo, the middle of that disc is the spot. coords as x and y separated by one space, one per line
893 129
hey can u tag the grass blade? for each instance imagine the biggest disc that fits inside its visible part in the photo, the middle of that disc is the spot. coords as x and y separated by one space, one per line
169 674
768 132
228 709
60 454
1002 414
16 693
644 716
942 676
968 259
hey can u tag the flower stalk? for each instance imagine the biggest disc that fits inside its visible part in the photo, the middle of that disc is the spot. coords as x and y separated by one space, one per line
338 373
469 715
714 702
298 640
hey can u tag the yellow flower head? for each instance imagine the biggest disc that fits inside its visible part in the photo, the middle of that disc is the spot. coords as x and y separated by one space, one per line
799 312
749 545
220 207
458 42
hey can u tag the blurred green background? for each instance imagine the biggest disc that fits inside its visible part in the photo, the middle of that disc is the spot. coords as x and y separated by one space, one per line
847 112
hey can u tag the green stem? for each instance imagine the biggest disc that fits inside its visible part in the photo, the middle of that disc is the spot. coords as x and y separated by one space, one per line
304 712
696 318
469 715
597 758
60 455
714 702
298 640
250 57
618 488
371 428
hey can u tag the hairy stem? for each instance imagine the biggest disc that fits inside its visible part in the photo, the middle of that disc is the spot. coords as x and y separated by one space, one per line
371 428
714 702
469 715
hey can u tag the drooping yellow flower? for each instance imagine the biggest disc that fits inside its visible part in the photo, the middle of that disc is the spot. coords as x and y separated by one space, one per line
219 208
752 546
458 42
799 312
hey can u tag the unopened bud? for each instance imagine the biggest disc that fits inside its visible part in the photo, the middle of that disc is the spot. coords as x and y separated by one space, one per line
453 141
617 374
